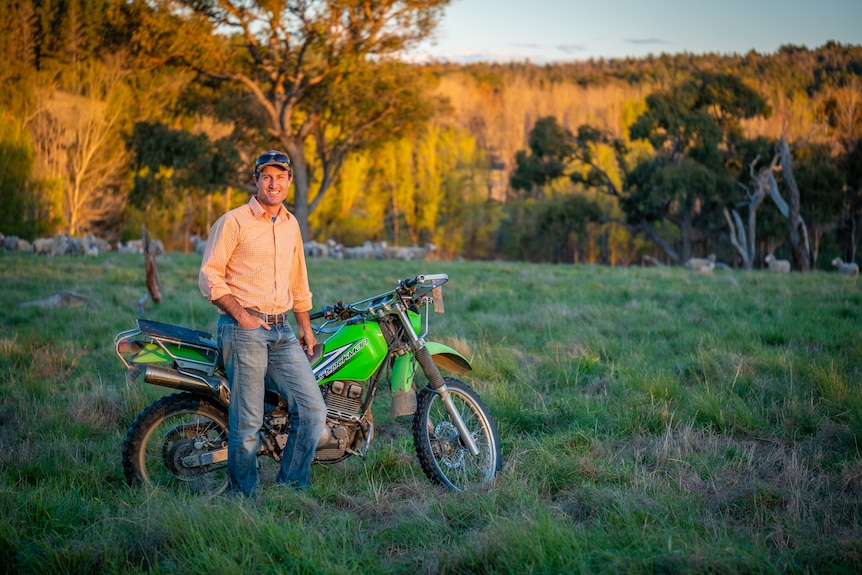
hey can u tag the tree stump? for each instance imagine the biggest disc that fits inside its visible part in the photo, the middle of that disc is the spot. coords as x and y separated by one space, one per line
153 284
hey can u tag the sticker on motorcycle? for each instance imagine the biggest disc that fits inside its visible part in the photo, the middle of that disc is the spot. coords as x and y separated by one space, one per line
333 360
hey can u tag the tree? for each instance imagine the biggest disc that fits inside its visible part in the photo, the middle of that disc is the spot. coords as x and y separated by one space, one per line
822 186
744 237
548 229
20 209
317 74
174 170
695 129
551 151
79 148
800 245
850 223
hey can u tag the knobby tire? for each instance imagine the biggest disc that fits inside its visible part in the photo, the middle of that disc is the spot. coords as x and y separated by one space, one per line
443 457
169 428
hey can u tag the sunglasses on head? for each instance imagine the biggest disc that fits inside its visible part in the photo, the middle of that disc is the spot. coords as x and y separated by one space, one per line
273 159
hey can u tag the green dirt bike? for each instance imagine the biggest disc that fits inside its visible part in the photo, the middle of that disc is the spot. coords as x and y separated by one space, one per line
181 439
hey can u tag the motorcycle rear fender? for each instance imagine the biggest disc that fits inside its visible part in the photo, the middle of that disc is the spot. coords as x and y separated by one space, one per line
444 356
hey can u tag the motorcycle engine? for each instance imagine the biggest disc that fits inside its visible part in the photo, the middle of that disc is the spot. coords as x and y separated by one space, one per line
343 396
343 431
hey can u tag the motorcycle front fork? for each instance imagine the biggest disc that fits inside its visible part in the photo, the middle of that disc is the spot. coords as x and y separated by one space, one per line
423 356
439 385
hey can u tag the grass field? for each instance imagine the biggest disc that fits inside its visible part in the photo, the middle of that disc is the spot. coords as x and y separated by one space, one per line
653 421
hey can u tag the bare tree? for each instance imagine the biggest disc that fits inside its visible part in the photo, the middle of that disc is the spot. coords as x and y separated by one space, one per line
79 147
742 237
800 246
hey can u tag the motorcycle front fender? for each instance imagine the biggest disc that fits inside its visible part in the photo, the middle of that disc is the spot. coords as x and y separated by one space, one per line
447 358
444 356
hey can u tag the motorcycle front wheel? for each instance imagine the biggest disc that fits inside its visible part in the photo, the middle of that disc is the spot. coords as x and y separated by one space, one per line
442 454
161 439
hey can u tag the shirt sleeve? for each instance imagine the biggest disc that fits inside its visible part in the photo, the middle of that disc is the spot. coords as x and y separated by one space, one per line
220 246
299 287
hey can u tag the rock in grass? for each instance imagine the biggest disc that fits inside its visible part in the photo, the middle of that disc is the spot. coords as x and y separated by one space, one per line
58 300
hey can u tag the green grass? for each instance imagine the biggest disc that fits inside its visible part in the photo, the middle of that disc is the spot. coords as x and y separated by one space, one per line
653 421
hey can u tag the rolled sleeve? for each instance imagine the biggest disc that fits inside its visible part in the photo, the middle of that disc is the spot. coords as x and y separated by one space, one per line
299 287
212 277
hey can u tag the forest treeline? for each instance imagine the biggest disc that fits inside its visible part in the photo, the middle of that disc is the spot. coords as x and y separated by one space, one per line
119 114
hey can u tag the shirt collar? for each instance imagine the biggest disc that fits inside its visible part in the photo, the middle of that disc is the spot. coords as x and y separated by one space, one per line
258 211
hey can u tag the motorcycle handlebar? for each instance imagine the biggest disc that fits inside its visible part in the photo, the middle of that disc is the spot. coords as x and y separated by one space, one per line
344 312
408 283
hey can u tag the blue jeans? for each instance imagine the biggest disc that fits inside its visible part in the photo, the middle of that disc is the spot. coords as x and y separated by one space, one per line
256 359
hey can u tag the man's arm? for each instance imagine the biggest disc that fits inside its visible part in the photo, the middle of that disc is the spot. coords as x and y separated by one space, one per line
229 305
306 334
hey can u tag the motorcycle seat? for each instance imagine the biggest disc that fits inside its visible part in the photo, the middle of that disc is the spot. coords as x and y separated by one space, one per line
176 333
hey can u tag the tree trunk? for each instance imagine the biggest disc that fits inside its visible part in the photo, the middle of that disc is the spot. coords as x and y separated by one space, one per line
738 238
685 233
801 251
154 286
659 241
300 186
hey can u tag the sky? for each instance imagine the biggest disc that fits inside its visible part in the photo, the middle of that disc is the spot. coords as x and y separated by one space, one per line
544 31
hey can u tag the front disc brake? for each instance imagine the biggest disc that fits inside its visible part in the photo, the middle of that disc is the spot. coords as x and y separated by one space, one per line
447 446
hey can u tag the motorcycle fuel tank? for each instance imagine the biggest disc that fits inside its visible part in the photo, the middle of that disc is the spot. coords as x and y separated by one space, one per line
354 352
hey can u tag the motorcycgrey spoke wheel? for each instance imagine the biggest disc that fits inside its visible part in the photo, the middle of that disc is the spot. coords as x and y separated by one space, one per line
442 454
161 440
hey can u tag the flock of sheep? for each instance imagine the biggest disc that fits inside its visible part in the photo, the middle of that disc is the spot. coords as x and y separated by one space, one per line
367 251
704 265
90 245
62 244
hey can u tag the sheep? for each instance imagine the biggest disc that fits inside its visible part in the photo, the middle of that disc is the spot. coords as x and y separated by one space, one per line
97 245
198 243
44 246
409 252
777 266
846 269
363 252
328 249
313 249
11 243
126 248
702 265
379 250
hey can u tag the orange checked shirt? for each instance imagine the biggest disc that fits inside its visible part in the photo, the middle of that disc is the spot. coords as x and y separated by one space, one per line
258 261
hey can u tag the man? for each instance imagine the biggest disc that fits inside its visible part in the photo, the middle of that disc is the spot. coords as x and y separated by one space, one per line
254 271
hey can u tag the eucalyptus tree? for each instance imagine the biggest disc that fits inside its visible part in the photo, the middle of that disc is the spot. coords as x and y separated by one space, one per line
318 78
821 186
695 129
676 169
549 230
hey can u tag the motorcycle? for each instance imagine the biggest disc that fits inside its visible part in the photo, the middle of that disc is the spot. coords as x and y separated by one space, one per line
181 439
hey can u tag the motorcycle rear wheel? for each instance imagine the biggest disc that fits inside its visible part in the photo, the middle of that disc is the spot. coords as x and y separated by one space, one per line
169 429
443 456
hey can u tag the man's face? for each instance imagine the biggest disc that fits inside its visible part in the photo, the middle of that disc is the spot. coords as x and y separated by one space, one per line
272 186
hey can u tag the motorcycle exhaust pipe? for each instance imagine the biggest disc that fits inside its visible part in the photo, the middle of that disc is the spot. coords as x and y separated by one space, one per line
175 380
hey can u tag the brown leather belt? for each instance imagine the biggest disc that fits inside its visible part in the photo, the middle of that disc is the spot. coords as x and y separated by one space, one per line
270 318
